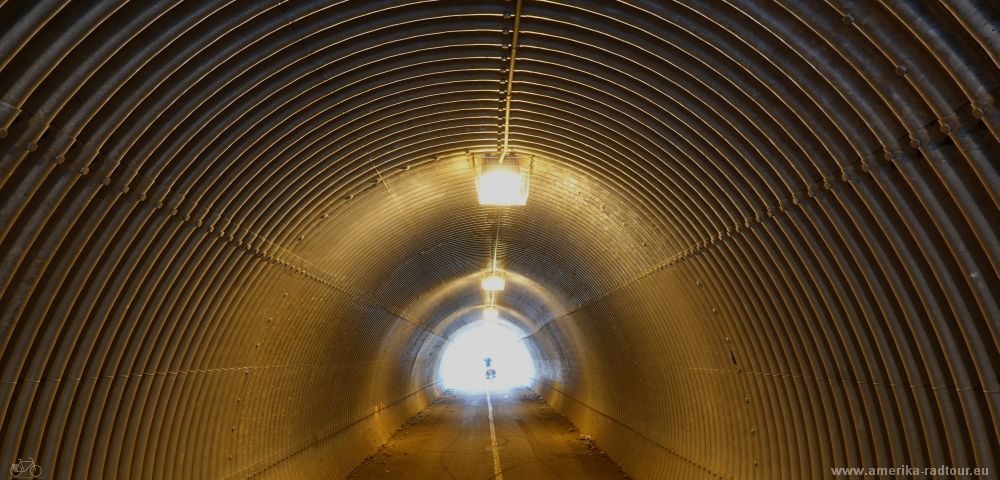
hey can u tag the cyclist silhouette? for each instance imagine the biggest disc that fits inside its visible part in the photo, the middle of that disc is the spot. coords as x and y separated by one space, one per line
491 373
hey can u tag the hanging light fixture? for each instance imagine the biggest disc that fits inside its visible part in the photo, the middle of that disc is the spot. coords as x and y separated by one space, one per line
502 180
502 177
493 282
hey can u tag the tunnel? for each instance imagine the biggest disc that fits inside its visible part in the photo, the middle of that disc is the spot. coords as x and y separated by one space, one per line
760 238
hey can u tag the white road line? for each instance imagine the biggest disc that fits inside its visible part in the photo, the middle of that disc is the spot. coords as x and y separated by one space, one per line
497 471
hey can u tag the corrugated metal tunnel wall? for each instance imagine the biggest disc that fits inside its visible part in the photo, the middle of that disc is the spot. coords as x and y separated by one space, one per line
762 238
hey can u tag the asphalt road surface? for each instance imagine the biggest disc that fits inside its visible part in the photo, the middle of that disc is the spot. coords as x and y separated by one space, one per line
453 439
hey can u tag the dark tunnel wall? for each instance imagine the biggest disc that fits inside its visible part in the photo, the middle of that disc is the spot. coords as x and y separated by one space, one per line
762 238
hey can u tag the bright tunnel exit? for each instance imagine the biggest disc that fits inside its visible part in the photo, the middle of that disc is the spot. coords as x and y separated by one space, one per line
483 349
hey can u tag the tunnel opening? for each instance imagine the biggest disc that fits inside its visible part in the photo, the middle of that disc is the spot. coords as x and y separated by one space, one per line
487 355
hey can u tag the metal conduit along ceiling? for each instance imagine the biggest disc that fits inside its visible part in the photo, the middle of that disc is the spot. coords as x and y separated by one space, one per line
761 240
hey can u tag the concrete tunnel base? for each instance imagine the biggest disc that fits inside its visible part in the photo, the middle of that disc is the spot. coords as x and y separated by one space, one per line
447 441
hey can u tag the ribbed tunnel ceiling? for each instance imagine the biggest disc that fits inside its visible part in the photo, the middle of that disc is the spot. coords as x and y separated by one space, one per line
761 240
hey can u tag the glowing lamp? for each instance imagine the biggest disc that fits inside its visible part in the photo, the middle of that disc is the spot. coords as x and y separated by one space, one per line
502 184
493 283
503 188
491 313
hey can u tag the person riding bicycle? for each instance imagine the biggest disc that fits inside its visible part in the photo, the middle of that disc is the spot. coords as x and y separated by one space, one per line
491 373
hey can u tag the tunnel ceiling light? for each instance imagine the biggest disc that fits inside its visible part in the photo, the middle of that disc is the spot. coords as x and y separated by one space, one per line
494 282
502 180
491 313
502 187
